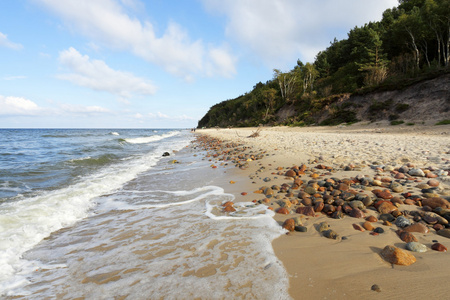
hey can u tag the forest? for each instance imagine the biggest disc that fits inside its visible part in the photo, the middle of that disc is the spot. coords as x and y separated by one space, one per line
411 43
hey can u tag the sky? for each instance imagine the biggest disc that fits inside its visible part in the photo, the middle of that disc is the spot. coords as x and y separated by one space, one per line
154 63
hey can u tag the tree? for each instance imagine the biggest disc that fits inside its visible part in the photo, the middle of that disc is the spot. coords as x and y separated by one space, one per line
269 100
287 82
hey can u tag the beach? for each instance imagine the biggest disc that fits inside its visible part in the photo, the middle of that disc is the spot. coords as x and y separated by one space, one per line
359 160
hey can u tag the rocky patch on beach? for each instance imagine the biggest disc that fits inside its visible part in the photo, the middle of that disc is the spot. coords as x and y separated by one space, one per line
407 199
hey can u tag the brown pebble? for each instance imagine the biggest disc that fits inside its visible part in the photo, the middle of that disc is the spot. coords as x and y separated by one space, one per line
375 288
439 247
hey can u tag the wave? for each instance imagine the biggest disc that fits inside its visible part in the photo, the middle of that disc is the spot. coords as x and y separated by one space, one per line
150 139
96 161
114 133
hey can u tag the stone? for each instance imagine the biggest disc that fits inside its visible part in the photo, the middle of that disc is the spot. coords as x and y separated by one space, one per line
401 222
268 191
358 227
376 288
229 208
357 204
428 215
384 194
435 202
372 219
386 217
378 230
439 247
297 221
433 182
397 256
416 227
318 207
416 247
166 154
301 228
338 215
323 226
306 210
331 234
444 232
310 190
368 226
307 201
290 173
289 224
283 211
386 207
396 187
357 213
416 172
406 236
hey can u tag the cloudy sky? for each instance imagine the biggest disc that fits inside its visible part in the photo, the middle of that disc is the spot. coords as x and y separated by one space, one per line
154 63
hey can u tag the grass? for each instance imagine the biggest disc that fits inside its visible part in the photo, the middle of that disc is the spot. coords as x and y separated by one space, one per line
397 122
443 122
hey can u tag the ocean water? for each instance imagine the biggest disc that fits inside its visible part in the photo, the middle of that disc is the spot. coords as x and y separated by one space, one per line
101 214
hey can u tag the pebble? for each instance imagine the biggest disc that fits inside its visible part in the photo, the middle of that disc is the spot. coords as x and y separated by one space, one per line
375 288
397 256
401 222
289 224
444 232
416 247
439 247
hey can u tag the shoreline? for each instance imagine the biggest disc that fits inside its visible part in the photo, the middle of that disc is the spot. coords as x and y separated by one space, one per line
348 267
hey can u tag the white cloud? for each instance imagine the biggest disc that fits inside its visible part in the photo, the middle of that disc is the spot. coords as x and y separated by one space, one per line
106 22
283 30
79 109
161 116
7 43
10 105
14 77
97 75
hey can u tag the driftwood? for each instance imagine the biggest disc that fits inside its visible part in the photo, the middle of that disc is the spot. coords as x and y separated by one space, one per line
256 133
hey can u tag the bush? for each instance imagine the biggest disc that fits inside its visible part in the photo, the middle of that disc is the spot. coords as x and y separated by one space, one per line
397 122
401 107
339 117
443 122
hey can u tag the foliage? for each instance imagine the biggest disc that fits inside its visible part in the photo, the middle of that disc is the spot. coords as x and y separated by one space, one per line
397 122
410 44
443 122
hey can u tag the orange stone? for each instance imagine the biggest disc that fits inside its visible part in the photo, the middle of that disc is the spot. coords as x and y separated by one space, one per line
397 256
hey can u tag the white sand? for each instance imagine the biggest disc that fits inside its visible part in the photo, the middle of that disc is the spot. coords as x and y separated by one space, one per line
321 268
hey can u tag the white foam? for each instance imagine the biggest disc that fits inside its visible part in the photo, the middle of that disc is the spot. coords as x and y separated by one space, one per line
26 222
114 133
150 139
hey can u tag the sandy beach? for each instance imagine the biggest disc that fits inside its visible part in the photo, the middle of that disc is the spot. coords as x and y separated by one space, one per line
409 163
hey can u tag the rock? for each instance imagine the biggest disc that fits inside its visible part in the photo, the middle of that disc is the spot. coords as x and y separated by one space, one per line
436 202
357 204
283 211
378 230
289 224
331 234
290 173
310 190
439 247
323 227
397 256
396 187
416 247
433 182
268 191
386 207
166 154
358 227
386 217
318 207
416 172
338 215
368 226
406 236
429 216
444 232
416 227
357 213
297 221
301 228
229 208
375 288
402 222
438 227
306 210
372 219
384 194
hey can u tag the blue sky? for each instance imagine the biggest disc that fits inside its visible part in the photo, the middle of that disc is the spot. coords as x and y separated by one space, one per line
154 63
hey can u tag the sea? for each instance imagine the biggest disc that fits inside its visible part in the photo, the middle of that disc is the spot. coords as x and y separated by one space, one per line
103 214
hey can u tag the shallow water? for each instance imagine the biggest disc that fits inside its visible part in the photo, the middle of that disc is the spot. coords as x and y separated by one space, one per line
140 227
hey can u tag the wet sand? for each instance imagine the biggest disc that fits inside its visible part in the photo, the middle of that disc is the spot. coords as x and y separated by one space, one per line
347 268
